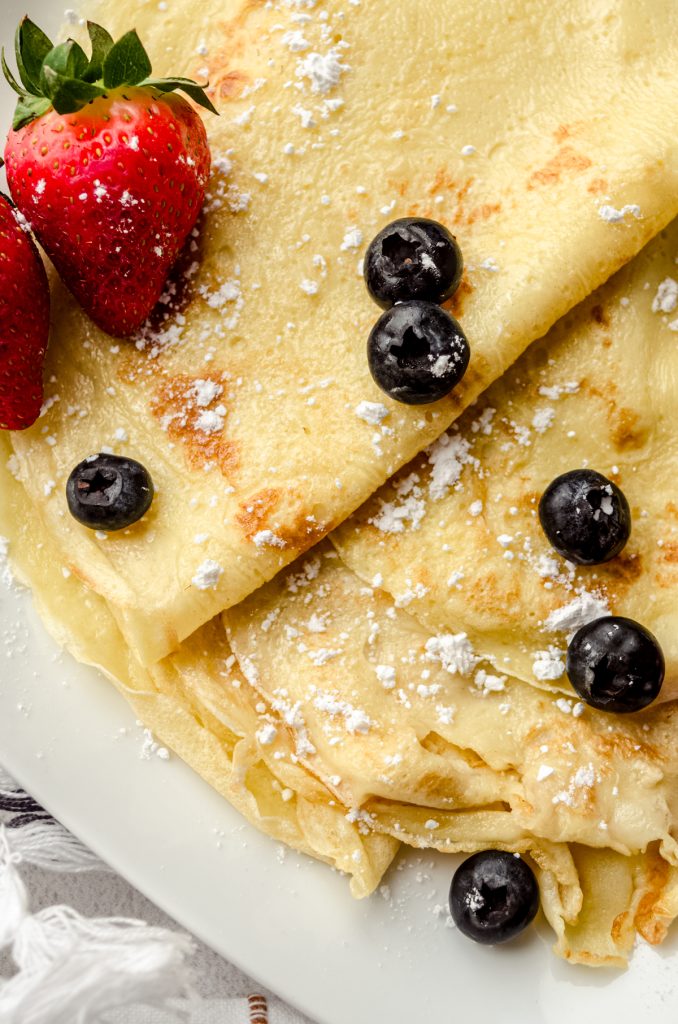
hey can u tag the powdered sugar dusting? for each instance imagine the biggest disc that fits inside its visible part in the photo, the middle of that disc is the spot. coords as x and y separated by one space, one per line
323 71
454 651
581 610
614 216
207 575
447 456
666 299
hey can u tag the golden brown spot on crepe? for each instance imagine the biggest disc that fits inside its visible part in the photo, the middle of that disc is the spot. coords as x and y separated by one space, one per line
301 533
619 926
442 182
255 512
175 405
227 82
483 212
625 432
625 746
455 305
599 315
651 918
598 186
625 568
669 552
561 133
230 84
494 597
566 161
294 526
398 185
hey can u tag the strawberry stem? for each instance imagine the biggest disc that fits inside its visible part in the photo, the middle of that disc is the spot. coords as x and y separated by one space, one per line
65 78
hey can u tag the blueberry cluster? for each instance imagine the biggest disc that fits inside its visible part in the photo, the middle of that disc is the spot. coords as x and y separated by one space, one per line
613 663
416 351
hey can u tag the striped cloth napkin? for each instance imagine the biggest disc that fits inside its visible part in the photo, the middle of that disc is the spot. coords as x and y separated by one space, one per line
58 965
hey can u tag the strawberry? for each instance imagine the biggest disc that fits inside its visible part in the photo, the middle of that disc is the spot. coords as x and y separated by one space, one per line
24 322
108 165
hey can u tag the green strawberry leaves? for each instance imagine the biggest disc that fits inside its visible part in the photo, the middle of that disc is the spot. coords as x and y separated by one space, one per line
127 62
102 43
187 85
31 46
65 78
28 108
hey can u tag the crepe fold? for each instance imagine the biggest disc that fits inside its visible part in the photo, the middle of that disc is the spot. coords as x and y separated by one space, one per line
340 732
195 701
542 134
456 538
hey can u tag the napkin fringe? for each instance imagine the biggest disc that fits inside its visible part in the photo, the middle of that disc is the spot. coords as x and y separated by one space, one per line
71 969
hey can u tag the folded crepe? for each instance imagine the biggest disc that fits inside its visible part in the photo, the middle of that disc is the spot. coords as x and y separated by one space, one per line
544 136
341 734
359 715
455 537
196 701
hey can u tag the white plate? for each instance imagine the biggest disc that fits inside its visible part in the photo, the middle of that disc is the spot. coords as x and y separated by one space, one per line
287 921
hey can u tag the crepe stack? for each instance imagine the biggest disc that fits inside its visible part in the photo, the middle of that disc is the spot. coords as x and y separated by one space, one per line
402 682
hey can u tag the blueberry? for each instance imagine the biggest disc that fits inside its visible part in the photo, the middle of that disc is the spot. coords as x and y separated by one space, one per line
494 896
585 516
615 664
412 258
417 352
109 492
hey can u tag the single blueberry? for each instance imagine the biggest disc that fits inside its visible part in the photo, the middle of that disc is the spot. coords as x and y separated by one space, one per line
417 352
109 492
494 896
585 516
413 258
615 664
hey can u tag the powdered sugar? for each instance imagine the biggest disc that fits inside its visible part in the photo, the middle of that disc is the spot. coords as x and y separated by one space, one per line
543 418
371 412
666 299
267 734
548 665
447 456
207 575
453 651
355 719
582 609
323 71
268 539
206 391
408 506
353 239
614 216
386 675
554 391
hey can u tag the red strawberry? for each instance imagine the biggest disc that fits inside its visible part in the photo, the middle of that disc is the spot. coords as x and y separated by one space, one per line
107 166
24 323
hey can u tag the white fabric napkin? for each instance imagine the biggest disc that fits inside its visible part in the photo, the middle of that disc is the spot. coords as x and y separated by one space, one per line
78 943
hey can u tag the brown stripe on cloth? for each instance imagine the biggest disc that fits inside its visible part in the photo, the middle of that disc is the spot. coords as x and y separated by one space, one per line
258 1009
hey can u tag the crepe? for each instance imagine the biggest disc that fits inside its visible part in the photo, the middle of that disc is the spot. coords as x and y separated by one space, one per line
252 743
196 701
455 537
544 136
422 751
